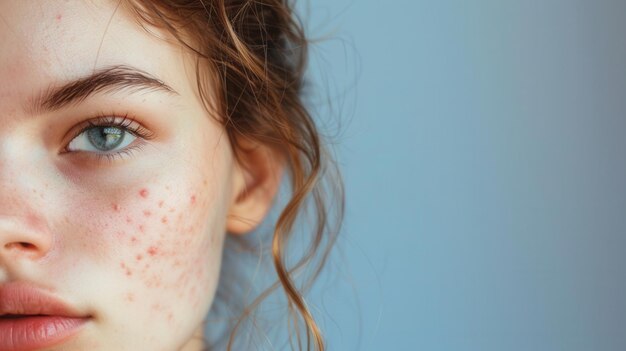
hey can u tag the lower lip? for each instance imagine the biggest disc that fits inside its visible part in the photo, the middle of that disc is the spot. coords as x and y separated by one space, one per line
36 332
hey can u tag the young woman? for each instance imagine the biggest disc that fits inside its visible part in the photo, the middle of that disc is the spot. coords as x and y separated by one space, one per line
136 139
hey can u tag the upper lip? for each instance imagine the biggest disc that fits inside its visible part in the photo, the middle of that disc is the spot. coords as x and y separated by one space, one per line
21 299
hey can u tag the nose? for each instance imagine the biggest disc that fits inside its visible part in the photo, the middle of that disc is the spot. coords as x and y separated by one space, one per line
23 237
24 230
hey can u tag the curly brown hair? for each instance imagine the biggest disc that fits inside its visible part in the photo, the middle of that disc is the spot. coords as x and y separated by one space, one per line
250 62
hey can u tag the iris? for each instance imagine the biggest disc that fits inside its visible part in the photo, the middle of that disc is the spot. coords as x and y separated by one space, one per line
105 138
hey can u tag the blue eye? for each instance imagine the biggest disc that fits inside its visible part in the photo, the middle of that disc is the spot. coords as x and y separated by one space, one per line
101 139
108 138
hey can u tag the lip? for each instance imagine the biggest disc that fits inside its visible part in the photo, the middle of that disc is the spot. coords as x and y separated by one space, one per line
31 318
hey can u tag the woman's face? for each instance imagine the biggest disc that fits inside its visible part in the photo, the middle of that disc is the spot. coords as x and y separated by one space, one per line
115 183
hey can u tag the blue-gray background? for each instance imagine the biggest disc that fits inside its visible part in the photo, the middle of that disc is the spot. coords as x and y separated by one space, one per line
484 153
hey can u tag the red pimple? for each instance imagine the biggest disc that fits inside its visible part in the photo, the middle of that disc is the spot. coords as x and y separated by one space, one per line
193 199
152 251
129 220
123 266
164 220
139 257
147 213
143 193
141 228
58 17
133 240
116 207
161 204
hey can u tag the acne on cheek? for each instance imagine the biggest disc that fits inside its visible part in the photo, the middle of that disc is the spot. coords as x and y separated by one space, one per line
162 237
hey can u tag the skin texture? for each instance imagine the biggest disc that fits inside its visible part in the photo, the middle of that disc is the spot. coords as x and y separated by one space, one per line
134 242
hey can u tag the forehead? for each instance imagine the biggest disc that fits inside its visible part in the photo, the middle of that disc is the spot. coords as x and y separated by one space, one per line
47 42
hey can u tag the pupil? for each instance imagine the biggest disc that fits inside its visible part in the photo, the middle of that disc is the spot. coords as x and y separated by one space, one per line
105 138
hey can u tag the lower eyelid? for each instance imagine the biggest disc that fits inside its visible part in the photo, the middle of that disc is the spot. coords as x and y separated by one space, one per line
87 158
126 153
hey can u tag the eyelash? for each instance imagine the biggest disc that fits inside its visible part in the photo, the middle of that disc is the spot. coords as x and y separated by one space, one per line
123 122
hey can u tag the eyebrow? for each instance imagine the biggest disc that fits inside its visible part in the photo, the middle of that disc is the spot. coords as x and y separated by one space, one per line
107 80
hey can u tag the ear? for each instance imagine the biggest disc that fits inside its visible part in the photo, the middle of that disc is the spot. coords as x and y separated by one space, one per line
257 176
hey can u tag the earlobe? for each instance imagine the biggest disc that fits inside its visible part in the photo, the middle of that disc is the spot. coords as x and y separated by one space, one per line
258 172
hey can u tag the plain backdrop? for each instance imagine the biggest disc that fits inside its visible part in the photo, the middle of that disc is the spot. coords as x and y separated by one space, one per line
483 145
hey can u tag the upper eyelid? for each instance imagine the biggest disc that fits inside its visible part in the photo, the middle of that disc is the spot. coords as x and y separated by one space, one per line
120 121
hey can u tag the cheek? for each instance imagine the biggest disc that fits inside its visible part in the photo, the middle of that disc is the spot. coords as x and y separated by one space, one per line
166 247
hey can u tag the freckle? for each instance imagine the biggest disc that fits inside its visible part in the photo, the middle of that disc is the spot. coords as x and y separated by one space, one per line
147 213
133 240
167 187
161 204
164 220
139 257
143 193
152 251
129 220
130 297
204 182
122 265
172 209
141 228
170 317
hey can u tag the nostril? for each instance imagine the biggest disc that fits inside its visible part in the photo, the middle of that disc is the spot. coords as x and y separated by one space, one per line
27 246
22 245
